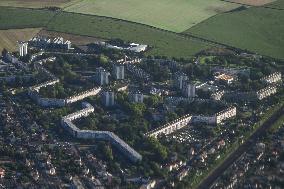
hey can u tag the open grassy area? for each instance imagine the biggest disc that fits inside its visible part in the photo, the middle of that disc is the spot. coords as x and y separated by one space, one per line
278 4
257 29
252 2
17 18
37 3
162 42
9 38
177 15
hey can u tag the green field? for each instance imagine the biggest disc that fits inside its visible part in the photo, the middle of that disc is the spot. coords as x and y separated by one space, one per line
163 43
19 18
278 4
37 3
256 29
173 15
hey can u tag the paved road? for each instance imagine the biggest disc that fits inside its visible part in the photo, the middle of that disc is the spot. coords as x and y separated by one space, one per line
243 148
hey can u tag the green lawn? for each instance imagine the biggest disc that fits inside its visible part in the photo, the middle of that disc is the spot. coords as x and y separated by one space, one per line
173 15
257 29
163 43
18 18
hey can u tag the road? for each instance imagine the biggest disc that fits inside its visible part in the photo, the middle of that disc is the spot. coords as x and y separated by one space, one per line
207 182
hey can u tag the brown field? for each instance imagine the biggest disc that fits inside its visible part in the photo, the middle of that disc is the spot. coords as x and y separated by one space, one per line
9 38
37 3
75 39
252 2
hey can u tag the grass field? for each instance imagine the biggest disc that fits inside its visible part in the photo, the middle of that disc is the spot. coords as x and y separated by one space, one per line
9 38
163 43
173 15
278 4
257 29
252 2
37 3
17 18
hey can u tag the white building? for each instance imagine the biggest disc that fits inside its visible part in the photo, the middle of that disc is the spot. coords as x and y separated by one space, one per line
136 97
226 78
23 48
108 98
82 95
102 76
118 71
188 90
272 78
170 127
204 119
226 114
266 92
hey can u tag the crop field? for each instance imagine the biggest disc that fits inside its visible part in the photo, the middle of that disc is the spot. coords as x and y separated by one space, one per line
37 3
173 15
162 42
256 29
20 18
9 38
252 2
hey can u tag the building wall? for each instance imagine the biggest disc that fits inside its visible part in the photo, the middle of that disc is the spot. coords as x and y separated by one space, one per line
170 127
266 92
226 114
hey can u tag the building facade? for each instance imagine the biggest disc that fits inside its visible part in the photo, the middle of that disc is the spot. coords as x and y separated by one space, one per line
226 114
188 90
266 92
23 48
136 97
179 79
108 98
102 76
272 78
170 127
118 71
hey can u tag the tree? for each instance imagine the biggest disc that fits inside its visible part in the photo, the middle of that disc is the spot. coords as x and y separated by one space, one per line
160 151
4 52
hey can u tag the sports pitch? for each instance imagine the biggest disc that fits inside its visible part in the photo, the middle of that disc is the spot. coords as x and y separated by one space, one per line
172 15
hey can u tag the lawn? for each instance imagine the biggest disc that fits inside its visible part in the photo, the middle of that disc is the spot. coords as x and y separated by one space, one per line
162 42
37 3
17 18
9 38
173 15
257 29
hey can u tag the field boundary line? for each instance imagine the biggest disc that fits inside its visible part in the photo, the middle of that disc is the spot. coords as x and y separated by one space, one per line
191 37
188 36
256 6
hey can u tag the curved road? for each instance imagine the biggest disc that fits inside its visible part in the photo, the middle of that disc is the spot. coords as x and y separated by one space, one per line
207 182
